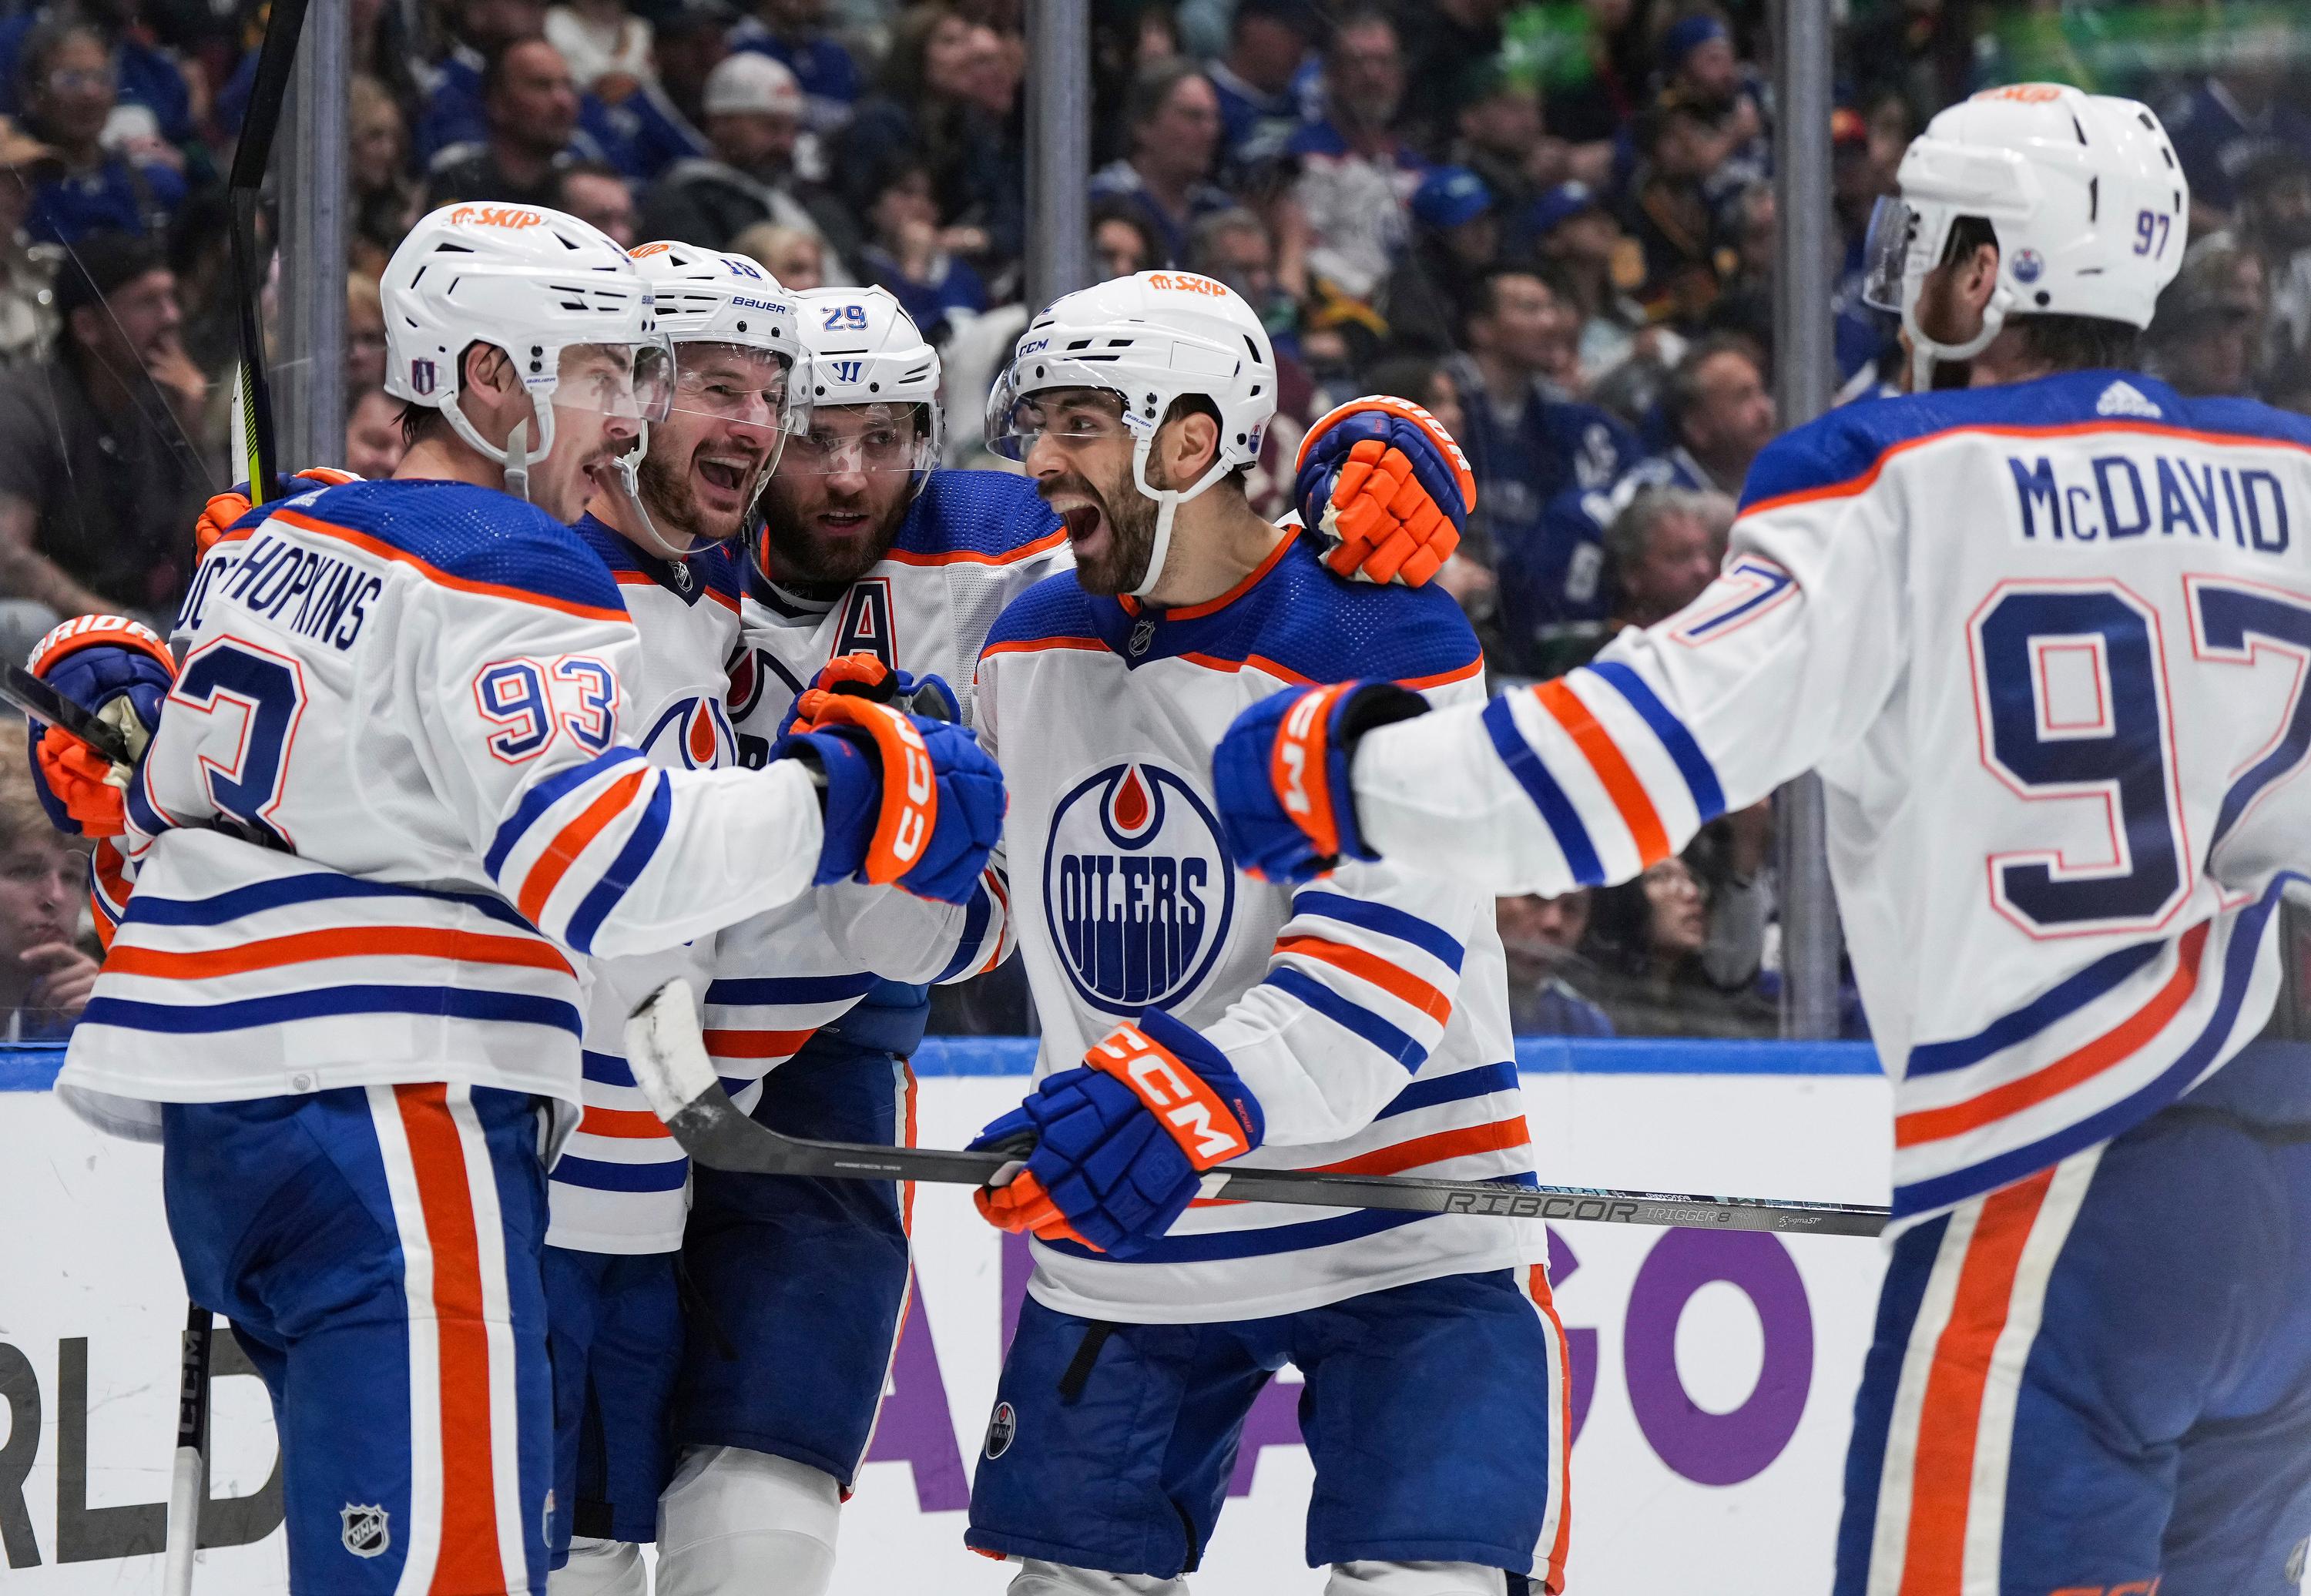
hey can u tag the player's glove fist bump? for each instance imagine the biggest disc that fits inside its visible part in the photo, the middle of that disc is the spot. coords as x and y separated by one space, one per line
1381 481
910 802
1121 1141
120 672
863 675
1282 776
222 510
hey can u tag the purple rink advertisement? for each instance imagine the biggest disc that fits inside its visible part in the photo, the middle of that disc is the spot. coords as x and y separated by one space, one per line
1712 1372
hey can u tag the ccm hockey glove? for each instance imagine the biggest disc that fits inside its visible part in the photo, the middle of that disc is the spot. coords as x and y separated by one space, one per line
1123 1139
1382 482
1281 776
121 671
910 802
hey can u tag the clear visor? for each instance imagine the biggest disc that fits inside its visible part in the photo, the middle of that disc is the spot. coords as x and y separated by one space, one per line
743 385
869 439
1902 242
633 381
1069 402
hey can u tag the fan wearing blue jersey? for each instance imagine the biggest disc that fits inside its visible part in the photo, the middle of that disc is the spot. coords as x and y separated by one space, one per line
2041 631
1194 1017
391 803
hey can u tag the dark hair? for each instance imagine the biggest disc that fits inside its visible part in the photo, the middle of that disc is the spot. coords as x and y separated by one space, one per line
2061 343
1681 395
1114 208
1198 405
493 65
586 169
1152 85
1405 377
99 266
1485 301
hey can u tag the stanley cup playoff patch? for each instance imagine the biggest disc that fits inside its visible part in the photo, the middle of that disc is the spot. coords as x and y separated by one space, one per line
367 1530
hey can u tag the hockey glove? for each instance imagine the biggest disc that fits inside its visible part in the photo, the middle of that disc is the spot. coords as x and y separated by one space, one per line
1281 775
1123 1139
863 675
119 671
910 802
1383 484
222 510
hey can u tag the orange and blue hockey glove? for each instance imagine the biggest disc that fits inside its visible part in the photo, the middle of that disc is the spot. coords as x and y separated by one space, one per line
910 802
1121 1141
1281 776
863 675
1383 483
119 671
222 510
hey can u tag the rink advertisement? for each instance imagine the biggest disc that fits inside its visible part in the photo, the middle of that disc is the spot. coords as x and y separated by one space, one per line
1710 1371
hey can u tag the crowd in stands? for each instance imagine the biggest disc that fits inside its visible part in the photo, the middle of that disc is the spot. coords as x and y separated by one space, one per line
1552 221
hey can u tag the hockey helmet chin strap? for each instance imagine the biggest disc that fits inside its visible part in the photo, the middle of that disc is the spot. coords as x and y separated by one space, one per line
1167 504
1924 351
517 457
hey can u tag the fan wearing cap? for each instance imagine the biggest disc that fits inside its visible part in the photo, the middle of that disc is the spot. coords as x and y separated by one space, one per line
1456 234
1362 1026
1986 613
754 119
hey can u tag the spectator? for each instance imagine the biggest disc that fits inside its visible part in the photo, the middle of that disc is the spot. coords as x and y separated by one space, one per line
1266 81
28 271
1700 68
795 256
1533 451
150 90
1600 265
531 106
2207 337
940 78
1925 50
1443 37
385 201
98 478
1123 241
1541 940
594 192
374 443
1500 139
1456 237
2274 225
910 254
456 110
1647 937
601 41
66 84
1661 551
1356 174
1669 212
2232 117
364 334
1233 246
1719 413
692 42
45 973
794 34
754 115
1174 122
1593 64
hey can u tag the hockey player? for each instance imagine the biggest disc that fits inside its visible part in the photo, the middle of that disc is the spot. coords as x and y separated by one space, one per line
663 526
1192 1016
2042 636
387 808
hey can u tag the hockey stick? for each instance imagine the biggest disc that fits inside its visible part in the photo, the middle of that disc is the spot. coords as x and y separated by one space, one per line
26 692
667 1053
188 1474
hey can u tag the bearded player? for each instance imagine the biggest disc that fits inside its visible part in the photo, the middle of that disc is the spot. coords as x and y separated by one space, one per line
2041 631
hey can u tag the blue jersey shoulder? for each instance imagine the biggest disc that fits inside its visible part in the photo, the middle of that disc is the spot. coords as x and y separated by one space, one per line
993 514
1327 629
1054 607
474 534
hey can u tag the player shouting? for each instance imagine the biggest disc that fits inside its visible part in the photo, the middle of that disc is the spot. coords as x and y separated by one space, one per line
2042 637
1191 1016
386 808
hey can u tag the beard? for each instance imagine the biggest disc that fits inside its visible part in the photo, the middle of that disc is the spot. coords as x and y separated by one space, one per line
808 565
1130 515
673 508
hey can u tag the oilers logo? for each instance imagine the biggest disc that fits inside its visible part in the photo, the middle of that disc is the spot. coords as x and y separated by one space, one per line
691 734
1138 890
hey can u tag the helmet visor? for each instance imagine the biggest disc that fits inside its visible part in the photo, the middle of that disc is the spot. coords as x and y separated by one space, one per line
634 382
1072 402
1902 242
742 384
869 439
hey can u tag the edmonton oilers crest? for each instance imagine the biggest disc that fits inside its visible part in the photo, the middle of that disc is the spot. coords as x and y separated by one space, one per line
694 730
1139 889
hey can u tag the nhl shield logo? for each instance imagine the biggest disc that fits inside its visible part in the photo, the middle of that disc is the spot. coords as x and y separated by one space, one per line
367 1530
1002 1429
1138 890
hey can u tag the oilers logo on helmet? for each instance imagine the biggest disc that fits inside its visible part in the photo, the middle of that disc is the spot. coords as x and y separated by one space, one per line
1138 890
695 731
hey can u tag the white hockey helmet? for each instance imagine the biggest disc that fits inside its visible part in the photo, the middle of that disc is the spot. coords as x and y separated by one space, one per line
531 282
866 351
1150 339
2088 200
704 296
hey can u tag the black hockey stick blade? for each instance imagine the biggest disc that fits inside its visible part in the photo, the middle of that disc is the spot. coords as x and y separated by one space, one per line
29 693
284 26
668 1054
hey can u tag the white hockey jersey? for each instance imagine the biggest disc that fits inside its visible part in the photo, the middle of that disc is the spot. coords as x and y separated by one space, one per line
972 541
393 793
619 1185
2045 646
1368 1013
